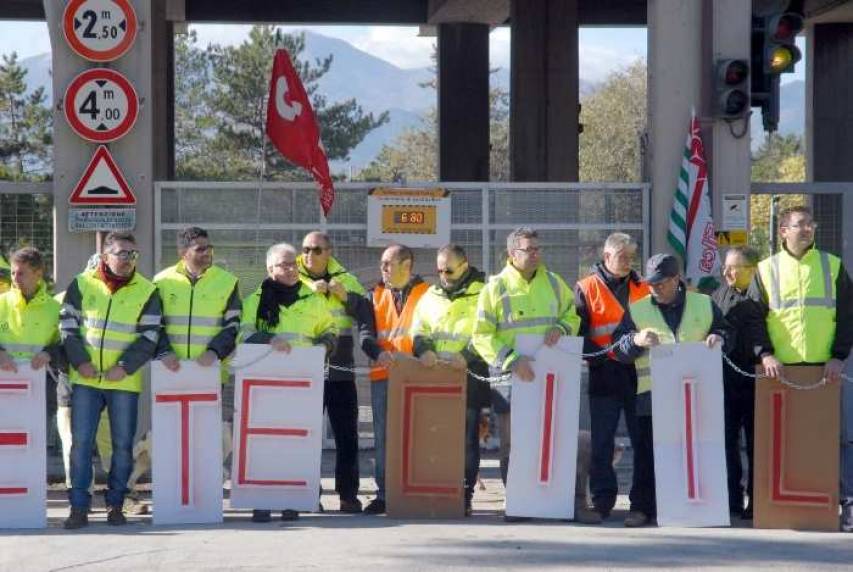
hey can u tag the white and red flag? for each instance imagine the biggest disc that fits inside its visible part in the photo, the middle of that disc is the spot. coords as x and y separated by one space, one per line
293 129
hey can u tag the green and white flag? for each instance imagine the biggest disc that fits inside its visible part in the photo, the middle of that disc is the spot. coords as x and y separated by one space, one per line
691 223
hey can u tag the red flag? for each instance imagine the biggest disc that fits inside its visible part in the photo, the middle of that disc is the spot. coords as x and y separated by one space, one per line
293 129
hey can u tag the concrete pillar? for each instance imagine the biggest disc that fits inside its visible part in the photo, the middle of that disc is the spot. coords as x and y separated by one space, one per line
829 126
675 66
147 67
729 145
463 102
544 90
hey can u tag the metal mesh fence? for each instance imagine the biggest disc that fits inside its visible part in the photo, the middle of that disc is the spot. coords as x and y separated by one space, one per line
27 220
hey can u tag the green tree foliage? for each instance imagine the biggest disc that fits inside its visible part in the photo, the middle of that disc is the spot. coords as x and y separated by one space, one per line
614 118
25 125
779 159
228 99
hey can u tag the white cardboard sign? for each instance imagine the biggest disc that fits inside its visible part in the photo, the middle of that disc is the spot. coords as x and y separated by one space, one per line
186 409
278 428
23 448
689 436
543 459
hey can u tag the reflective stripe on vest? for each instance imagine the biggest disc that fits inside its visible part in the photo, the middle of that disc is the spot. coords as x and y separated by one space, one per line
393 331
694 327
194 313
802 304
108 324
604 310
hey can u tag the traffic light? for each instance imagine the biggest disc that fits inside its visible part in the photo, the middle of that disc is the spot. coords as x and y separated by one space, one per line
731 89
780 51
774 52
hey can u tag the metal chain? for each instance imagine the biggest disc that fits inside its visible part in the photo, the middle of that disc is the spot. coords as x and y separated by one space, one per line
756 376
504 377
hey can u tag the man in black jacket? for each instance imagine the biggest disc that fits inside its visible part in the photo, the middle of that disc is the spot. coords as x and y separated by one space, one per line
744 316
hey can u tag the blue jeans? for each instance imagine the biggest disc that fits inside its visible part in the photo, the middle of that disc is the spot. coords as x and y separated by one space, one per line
86 406
379 401
604 412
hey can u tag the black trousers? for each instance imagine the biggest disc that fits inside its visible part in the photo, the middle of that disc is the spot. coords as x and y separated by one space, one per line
643 489
739 404
340 399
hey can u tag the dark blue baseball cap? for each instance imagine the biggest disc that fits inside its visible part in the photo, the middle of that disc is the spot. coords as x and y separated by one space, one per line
660 267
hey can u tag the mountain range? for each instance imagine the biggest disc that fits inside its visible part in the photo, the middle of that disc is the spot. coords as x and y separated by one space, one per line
378 85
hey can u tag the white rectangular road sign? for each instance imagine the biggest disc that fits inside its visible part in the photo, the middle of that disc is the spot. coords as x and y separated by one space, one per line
101 218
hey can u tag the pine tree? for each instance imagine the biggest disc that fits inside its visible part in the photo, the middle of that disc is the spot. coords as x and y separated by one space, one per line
25 125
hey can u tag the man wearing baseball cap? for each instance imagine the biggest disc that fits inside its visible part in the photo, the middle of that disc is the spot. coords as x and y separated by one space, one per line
669 315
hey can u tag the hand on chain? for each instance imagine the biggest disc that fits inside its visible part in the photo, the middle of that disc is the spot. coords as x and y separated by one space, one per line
553 336
772 366
712 340
646 338
207 359
280 345
337 290
428 359
523 368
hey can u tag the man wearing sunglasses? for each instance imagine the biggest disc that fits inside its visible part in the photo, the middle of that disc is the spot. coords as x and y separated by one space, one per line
806 297
201 314
442 328
345 296
109 326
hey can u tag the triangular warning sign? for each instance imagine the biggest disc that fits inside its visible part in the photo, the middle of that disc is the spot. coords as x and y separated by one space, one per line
102 183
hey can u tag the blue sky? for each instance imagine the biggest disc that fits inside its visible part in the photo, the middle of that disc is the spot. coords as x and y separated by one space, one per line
602 50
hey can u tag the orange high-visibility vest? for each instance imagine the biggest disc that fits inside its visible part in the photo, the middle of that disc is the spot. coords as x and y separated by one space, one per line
393 331
605 311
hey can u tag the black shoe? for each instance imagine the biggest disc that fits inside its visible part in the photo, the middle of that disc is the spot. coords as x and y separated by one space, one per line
376 506
352 506
261 515
115 516
747 513
288 514
636 519
516 519
468 507
604 512
78 518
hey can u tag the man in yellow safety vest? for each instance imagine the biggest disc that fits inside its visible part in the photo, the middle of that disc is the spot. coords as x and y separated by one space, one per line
109 325
806 297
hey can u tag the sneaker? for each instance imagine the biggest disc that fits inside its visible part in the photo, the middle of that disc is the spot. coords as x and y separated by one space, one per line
351 506
78 518
636 519
847 517
134 505
115 516
288 514
376 506
261 515
584 515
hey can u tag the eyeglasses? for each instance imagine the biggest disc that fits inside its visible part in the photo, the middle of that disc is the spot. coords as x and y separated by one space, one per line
802 225
125 254
315 250
285 265
529 250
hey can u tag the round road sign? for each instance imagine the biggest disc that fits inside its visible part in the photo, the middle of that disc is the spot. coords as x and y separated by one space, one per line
100 105
99 30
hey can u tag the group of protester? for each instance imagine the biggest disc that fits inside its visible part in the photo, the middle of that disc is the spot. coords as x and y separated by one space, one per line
794 307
